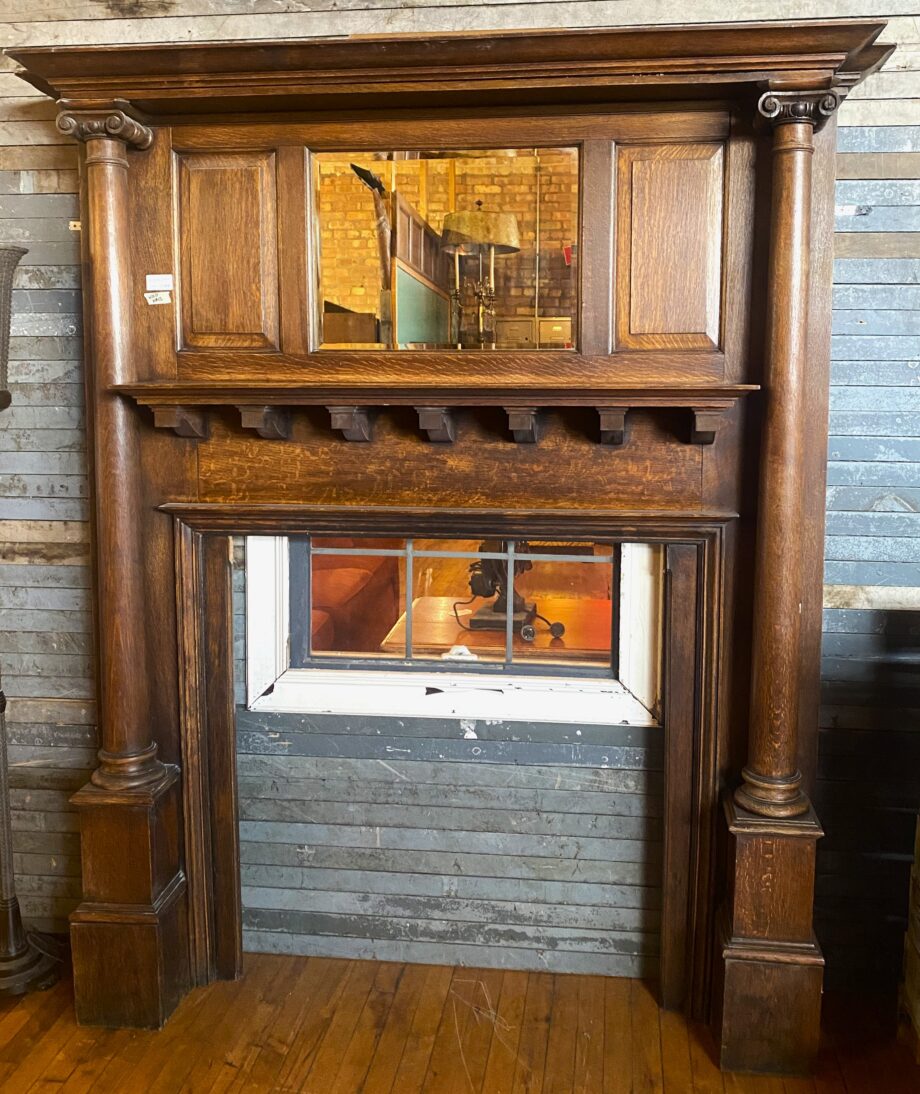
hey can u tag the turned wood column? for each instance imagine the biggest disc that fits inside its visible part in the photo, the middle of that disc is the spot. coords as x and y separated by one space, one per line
132 919
128 756
772 781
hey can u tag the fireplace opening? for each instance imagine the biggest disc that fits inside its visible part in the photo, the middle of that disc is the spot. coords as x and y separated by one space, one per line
426 775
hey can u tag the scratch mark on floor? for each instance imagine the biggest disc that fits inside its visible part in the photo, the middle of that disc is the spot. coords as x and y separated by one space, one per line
469 1078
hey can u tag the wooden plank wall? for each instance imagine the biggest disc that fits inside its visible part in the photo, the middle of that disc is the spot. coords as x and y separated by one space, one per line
873 578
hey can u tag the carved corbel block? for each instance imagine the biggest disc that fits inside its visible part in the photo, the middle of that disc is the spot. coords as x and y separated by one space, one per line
438 422
184 421
613 424
524 423
353 422
706 424
271 422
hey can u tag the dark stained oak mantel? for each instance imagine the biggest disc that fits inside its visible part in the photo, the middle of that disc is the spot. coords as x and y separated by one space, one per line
704 255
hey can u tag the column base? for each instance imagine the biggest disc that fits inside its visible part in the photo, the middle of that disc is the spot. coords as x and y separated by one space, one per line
772 969
771 1007
117 772
769 797
129 936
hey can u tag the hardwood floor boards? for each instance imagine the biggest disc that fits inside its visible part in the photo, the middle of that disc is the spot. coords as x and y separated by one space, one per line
328 1026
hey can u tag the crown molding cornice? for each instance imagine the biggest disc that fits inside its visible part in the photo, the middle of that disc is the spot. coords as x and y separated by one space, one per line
175 82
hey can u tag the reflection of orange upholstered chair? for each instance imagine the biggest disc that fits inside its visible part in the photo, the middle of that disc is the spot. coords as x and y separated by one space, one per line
322 629
355 597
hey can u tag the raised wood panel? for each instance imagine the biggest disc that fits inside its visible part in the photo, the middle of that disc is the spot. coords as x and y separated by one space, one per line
228 250
669 246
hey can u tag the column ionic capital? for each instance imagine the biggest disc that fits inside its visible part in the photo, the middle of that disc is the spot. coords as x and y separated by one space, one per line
811 107
86 125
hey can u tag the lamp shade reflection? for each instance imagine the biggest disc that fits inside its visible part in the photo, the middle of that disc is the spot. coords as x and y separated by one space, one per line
476 231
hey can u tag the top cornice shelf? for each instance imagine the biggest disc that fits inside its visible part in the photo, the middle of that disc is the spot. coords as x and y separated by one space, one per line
187 80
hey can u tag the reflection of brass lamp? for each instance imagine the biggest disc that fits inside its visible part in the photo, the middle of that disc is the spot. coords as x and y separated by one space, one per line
476 232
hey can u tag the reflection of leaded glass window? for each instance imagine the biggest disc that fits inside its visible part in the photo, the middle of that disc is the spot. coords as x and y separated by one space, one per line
447 249
492 604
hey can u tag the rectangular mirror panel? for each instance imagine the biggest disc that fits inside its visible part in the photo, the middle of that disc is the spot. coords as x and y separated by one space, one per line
470 250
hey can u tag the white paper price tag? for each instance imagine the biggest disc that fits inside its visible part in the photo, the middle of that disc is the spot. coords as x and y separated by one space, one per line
159 282
158 297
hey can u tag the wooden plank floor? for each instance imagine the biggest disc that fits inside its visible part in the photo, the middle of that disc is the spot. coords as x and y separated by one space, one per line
343 1027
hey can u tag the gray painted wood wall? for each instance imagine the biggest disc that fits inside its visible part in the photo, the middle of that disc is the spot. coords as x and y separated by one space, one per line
500 844
870 718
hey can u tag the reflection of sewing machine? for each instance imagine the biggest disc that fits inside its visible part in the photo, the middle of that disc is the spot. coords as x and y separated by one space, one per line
489 577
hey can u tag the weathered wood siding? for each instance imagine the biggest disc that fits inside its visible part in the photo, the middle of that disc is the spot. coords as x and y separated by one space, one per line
504 844
873 559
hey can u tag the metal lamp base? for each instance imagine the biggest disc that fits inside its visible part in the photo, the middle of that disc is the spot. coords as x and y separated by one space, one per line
24 966
29 970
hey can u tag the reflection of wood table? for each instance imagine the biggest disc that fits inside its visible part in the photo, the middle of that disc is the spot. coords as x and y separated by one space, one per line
434 630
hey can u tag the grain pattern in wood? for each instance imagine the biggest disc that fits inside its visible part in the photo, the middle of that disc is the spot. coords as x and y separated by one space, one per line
481 467
669 247
229 280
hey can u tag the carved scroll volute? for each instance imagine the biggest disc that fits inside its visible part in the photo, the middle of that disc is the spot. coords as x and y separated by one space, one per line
812 107
106 124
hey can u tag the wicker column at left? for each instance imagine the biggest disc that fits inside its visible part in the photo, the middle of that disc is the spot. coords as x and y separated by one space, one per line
129 936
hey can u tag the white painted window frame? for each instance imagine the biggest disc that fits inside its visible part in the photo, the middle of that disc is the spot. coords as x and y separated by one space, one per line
272 685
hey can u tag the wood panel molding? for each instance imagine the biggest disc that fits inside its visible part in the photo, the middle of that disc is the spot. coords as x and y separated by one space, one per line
229 255
669 250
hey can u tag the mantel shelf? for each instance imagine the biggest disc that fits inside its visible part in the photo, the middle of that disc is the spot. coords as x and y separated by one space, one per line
265 408
159 393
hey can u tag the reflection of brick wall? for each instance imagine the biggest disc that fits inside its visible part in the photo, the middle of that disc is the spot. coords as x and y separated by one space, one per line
350 264
350 260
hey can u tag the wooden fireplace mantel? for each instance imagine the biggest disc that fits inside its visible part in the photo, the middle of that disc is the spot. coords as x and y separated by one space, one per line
692 412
